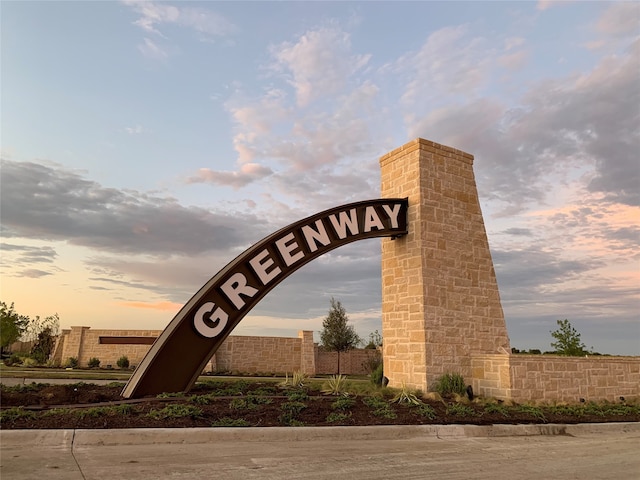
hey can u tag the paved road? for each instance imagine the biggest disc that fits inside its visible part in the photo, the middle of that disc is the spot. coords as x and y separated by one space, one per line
372 453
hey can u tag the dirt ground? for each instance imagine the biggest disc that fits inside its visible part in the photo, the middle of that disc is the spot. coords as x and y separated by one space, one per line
243 403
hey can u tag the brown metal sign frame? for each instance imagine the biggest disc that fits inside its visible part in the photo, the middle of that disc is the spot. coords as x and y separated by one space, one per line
180 353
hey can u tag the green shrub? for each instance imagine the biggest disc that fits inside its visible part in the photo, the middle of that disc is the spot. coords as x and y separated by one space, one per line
290 410
496 408
380 407
335 417
532 410
15 413
72 362
343 403
227 389
176 411
460 410
373 361
297 395
29 362
426 411
201 399
377 375
14 359
248 403
450 383
123 362
230 422
94 362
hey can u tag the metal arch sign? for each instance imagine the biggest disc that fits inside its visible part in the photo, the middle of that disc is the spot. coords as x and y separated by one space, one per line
180 353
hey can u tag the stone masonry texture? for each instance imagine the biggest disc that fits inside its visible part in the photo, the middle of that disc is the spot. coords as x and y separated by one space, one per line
440 299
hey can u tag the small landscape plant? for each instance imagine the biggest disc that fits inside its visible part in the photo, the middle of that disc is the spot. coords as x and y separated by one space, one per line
426 411
94 362
338 417
290 412
377 375
201 399
29 362
460 410
297 396
248 403
406 396
380 407
123 362
343 403
176 411
336 385
230 422
72 362
450 383
14 359
532 410
297 380
496 408
14 413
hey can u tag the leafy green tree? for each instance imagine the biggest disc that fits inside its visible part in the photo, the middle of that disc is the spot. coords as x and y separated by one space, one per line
44 332
568 340
12 325
336 335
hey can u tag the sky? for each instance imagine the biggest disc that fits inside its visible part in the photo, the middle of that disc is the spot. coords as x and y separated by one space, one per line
146 144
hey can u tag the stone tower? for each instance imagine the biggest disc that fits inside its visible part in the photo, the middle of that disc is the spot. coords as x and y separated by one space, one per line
440 299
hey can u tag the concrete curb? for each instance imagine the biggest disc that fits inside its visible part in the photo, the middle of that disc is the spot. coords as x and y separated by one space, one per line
70 439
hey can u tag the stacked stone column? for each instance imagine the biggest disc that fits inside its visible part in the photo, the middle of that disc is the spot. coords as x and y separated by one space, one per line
440 299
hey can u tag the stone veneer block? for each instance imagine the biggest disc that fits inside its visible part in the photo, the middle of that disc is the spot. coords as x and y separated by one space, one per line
440 299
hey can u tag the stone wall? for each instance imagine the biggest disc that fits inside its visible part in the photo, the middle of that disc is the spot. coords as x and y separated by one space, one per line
556 378
85 343
352 362
259 355
238 354
440 299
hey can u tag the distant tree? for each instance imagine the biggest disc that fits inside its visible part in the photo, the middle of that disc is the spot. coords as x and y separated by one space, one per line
375 340
336 335
44 333
568 340
12 325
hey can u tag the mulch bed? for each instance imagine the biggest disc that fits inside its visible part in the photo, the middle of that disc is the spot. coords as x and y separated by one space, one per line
225 403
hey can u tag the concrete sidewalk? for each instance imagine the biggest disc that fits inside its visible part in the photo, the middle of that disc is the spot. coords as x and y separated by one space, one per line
594 451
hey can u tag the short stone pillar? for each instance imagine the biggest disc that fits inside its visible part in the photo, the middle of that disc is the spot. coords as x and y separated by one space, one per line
307 353
440 299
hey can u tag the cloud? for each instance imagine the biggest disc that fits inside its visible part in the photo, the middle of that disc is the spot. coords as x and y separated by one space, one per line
559 124
27 254
32 273
329 127
249 172
621 19
462 70
547 4
162 306
53 203
515 60
137 130
154 15
318 63
151 49
525 232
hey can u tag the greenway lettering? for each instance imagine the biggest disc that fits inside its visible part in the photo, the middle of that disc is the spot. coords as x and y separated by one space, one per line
291 248
215 310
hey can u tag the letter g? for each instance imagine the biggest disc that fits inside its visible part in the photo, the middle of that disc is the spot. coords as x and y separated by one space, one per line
218 316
